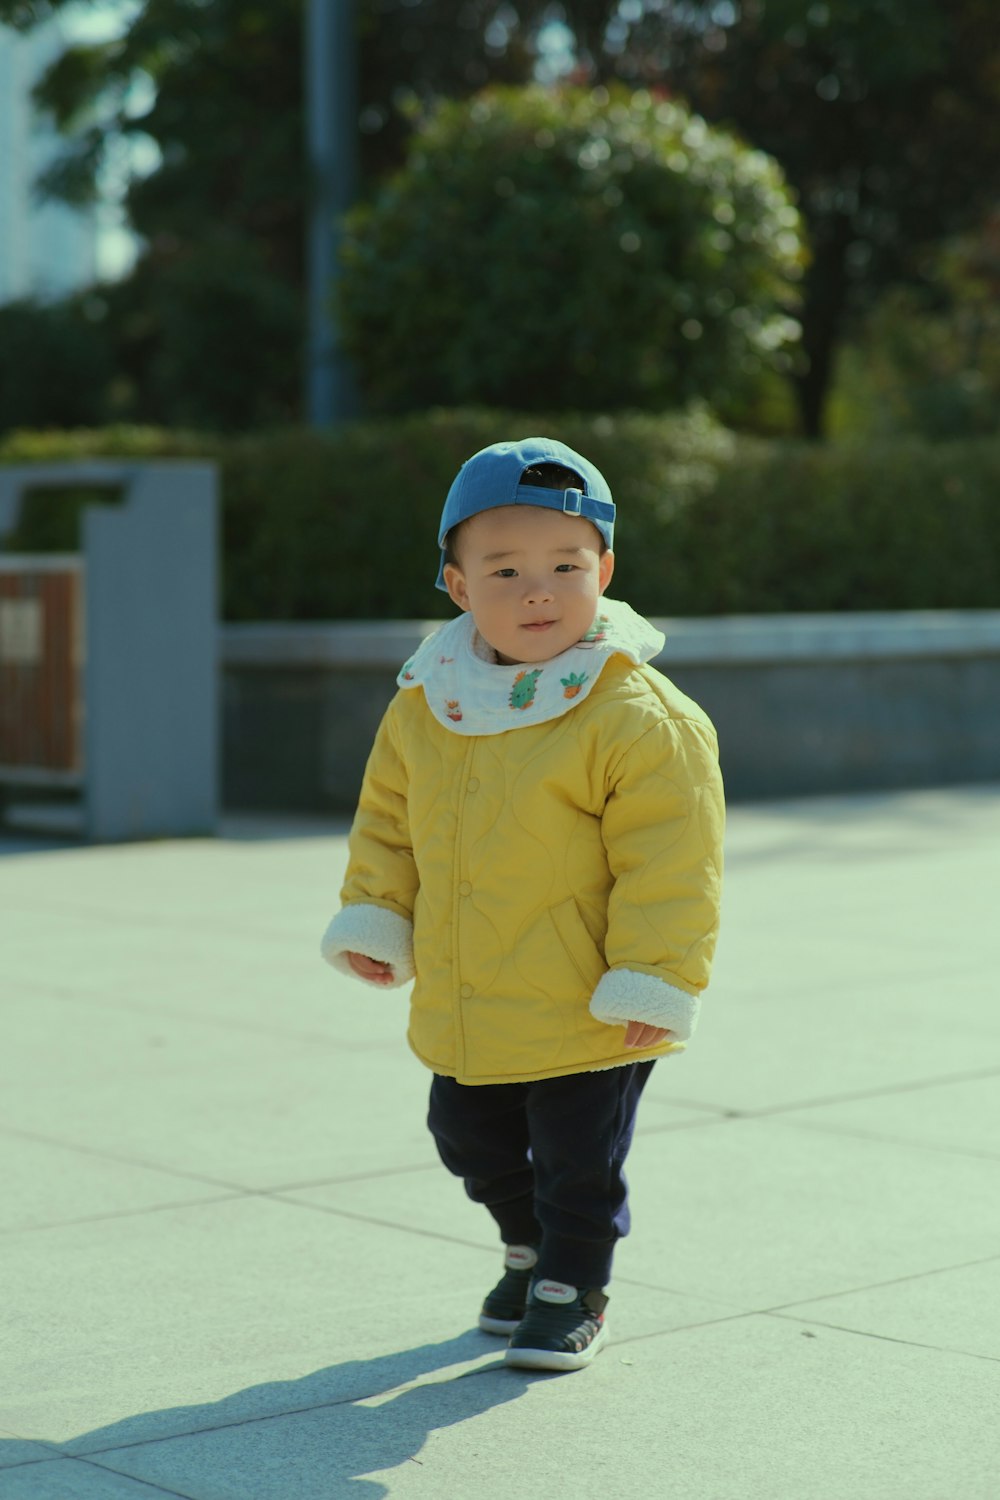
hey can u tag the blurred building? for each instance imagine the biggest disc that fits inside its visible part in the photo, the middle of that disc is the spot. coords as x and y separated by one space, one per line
46 249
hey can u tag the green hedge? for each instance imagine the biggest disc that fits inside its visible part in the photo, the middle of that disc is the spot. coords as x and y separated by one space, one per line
342 525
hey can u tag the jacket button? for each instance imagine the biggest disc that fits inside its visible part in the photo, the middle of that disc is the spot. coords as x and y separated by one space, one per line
466 991
465 889
473 784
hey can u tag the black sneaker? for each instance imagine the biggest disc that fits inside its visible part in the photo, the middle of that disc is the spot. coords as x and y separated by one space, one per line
562 1329
504 1307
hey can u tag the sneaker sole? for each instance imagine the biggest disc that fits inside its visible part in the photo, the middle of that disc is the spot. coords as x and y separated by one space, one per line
556 1359
498 1325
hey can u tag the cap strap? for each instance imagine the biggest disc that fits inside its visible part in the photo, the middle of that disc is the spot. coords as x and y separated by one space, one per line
572 502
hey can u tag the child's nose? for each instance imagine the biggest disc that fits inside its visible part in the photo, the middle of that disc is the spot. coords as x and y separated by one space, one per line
537 590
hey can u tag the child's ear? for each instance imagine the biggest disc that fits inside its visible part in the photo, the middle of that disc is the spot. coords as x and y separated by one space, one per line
454 581
606 569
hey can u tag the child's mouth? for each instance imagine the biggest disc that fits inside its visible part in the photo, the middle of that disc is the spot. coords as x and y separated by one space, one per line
538 625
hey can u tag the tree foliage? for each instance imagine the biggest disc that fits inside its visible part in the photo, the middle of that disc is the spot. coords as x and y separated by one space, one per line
883 114
217 87
578 249
55 365
926 361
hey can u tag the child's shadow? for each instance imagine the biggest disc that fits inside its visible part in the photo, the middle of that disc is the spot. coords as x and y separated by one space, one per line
317 1436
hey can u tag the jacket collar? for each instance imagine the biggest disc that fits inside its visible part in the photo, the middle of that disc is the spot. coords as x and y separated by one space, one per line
470 693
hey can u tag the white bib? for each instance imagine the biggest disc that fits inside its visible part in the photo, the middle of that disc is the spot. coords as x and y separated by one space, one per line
470 693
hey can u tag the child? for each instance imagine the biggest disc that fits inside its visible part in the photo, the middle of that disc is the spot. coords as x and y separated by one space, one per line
538 843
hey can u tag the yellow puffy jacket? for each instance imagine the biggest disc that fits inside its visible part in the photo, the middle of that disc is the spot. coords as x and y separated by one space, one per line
545 885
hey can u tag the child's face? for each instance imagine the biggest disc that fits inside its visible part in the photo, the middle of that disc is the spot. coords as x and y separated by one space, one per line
530 578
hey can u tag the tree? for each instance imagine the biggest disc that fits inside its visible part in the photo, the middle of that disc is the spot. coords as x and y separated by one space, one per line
927 360
563 250
883 113
55 367
208 327
217 88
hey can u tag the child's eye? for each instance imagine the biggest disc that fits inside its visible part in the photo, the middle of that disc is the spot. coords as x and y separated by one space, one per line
566 568
506 572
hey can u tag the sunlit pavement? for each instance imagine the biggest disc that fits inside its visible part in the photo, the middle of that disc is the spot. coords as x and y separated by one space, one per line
233 1269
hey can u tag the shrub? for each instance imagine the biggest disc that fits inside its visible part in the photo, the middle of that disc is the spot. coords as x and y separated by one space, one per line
569 250
49 519
343 524
796 526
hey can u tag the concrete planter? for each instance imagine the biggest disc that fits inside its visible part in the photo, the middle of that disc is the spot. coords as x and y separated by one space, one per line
803 703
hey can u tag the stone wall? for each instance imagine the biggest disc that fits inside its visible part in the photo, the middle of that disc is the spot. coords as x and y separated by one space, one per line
803 703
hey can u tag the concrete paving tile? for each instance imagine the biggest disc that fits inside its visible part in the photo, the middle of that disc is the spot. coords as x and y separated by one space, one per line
204 883
747 1410
165 1004
758 1050
434 1203
70 1479
912 825
863 883
327 1453
45 1185
661 1110
732 1412
761 1213
239 979
15 1450
221 932
733 1214
430 1200
233 1107
833 961
963 1117
161 1323
957 1310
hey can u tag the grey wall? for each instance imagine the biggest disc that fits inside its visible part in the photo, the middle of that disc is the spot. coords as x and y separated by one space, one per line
151 669
151 678
803 704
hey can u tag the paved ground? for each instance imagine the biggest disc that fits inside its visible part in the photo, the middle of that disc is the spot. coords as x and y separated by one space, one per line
232 1269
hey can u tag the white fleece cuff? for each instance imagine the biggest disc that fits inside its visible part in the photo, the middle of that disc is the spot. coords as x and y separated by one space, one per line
376 932
623 995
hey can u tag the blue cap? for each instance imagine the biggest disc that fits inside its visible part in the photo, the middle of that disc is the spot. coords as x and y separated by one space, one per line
492 477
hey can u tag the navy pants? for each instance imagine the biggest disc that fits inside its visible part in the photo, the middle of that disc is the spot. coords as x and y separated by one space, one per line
546 1159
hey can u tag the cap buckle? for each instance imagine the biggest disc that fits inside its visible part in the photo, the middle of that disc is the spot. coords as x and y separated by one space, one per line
573 502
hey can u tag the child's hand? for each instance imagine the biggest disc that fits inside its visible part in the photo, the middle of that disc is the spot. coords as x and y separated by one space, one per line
639 1035
370 968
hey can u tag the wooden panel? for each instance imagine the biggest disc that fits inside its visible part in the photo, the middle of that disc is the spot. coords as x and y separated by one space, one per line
40 669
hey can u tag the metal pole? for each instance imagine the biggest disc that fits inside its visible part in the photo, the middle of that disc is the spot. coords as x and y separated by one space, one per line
331 125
